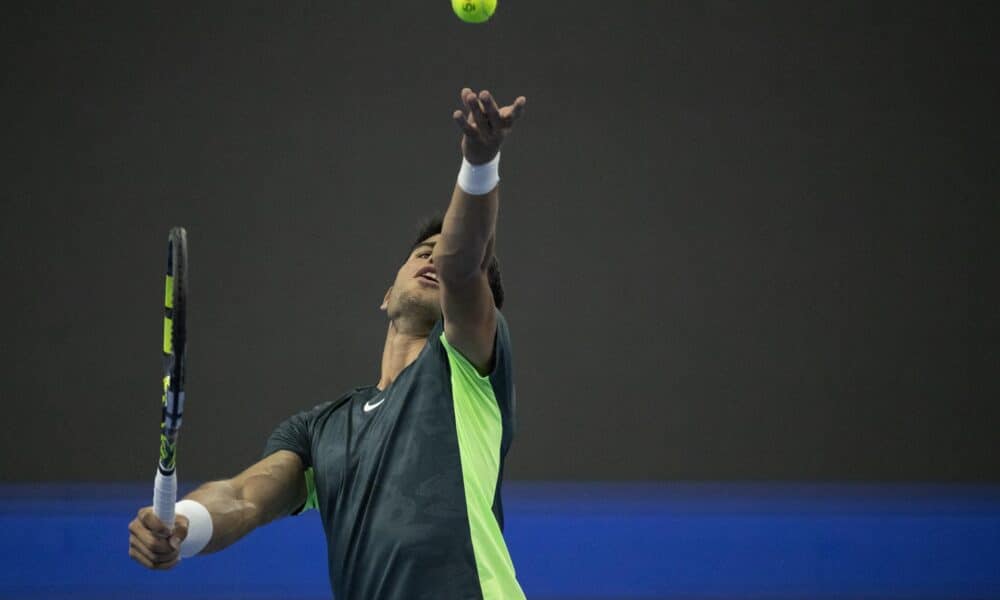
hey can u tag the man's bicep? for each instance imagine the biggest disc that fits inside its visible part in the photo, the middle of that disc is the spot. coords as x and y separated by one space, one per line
470 319
293 434
276 485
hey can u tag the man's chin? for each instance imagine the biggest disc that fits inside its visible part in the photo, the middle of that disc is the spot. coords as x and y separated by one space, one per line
425 307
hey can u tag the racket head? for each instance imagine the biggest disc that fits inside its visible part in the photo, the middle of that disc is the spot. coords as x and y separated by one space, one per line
174 346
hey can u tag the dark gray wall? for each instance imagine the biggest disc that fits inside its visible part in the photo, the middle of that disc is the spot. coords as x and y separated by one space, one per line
739 241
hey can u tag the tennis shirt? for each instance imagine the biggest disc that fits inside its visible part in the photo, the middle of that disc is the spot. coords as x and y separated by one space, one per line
407 480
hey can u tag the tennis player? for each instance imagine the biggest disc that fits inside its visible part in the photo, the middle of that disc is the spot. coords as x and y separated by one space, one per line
406 474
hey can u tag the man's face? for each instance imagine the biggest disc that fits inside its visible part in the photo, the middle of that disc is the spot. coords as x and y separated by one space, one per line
416 294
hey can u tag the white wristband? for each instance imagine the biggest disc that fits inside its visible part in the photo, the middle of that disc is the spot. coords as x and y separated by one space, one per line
199 526
479 179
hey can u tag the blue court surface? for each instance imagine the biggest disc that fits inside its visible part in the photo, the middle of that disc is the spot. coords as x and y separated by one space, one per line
568 540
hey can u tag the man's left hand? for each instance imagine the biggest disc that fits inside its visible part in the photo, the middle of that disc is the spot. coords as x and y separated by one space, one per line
484 124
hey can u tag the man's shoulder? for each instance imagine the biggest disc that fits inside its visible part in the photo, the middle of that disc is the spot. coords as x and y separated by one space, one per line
502 329
329 407
361 391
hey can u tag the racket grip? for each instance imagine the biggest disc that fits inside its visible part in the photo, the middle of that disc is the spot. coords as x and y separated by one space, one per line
165 497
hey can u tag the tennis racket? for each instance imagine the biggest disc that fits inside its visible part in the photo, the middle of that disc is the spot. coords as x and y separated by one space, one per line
174 346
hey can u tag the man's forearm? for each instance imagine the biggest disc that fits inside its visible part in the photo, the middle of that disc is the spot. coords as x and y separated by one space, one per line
232 516
466 243
468 233
272 488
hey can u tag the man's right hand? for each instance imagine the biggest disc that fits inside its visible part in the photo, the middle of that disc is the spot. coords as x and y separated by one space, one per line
271 488
151 543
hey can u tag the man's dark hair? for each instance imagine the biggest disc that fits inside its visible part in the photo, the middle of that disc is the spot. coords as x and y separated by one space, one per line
433 226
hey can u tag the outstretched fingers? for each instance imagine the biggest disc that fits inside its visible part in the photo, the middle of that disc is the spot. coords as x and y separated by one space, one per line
471 101
491 110
509 114
463 118
463 123
481 116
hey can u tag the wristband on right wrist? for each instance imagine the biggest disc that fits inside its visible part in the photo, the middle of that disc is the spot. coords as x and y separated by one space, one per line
199 526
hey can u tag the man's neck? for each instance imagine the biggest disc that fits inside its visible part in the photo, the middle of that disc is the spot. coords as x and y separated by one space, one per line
402 346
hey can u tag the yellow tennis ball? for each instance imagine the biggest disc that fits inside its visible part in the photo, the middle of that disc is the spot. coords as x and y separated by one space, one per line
474 11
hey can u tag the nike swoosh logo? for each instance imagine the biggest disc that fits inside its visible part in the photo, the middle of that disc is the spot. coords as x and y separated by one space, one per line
370 407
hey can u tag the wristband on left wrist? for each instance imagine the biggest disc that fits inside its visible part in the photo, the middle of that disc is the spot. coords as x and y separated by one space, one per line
478 180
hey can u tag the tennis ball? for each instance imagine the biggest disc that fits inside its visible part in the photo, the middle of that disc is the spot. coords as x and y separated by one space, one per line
474 11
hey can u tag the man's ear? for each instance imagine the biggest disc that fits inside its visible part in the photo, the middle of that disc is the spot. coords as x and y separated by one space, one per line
385 301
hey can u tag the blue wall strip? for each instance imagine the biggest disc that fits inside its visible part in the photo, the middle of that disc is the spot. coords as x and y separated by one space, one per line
568 540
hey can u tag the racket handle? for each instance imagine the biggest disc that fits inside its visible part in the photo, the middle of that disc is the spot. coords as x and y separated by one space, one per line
165 497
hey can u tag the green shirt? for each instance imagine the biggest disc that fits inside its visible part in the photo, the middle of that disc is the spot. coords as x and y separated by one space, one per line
407 480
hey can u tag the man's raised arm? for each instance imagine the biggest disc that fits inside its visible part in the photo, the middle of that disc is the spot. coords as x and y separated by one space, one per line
229 509
463 253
